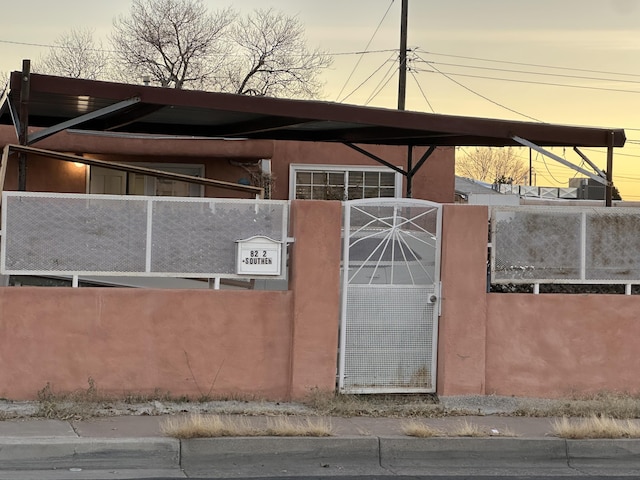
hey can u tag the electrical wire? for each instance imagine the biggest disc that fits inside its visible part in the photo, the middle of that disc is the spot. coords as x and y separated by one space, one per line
534 64
484 96
388 76
421 91
532 82
370 76
528 72
366 48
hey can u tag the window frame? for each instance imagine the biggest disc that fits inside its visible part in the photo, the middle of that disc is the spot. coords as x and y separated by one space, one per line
294 168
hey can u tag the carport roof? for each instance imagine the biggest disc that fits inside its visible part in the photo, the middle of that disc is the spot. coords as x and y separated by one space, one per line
145 109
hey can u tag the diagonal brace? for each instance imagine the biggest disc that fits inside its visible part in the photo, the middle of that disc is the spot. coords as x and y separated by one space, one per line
376 158
423 159
561 160
102 112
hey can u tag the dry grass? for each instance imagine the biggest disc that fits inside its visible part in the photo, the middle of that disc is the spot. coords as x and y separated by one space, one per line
467 429
595 427
338 405
419 429
608 404
208 426
415 428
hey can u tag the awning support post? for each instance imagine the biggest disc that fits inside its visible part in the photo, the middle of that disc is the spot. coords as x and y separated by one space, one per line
25 87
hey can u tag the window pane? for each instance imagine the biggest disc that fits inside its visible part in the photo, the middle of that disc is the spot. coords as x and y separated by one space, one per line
387 192
371 179
336 178
388 179
303 193
318 193
319 178
303 178
371 192
355 179
355 193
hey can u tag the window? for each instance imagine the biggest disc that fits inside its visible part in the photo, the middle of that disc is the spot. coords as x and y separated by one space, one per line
117 182
309 182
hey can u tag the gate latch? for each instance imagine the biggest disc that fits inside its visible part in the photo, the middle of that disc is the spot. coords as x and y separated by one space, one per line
433 299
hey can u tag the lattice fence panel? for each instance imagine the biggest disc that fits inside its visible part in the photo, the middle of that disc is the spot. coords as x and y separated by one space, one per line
145 236
565 245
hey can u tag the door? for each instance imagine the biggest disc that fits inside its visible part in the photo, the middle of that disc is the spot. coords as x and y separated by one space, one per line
390 296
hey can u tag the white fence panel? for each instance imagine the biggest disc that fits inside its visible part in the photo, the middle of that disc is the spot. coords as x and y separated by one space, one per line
532 244
73 234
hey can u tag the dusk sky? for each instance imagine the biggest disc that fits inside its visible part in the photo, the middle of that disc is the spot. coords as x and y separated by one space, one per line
572 62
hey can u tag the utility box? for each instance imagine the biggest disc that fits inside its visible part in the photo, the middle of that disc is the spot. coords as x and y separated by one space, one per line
258 256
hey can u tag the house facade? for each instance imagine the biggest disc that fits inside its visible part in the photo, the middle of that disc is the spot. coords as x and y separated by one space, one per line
291 169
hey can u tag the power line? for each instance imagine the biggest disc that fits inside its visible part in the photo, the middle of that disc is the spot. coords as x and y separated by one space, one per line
534 65
369 77
532 82
389 75
421 91
361 56
446 75
528 72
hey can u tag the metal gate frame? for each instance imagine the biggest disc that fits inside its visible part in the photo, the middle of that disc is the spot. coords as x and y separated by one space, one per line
413 301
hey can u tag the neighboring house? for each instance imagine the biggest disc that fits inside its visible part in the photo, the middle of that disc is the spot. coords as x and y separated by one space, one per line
475 192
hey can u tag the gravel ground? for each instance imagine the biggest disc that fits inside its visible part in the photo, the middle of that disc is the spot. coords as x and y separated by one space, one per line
470 405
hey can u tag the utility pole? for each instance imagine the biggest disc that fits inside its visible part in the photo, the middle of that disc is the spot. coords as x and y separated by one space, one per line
402 81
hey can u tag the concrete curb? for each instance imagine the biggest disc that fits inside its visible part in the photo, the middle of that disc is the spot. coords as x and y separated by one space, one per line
123 453
307 455
403 452
273 456
604 452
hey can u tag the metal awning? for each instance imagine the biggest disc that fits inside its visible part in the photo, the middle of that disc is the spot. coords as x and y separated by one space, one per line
56 103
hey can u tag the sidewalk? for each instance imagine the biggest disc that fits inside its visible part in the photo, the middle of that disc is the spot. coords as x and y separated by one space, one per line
133 446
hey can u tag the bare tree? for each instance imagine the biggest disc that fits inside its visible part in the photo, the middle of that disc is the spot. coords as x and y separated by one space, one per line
175 43
271 57
493 165
75 54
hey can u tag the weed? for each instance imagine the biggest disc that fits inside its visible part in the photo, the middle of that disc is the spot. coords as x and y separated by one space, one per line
467 429
595 427
334 404
66 406
608 404
208 426
420 429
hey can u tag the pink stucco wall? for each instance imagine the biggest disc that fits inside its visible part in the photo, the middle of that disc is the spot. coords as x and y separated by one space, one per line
554 345
140 341
265 344
462 325
547 345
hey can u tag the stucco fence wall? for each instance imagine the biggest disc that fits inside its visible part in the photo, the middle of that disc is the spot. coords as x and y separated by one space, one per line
251 344
280 345
547 345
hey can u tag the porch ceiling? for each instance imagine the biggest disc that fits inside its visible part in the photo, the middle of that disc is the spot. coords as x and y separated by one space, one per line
54 100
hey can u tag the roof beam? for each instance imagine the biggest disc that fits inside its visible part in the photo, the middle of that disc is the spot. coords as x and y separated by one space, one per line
265 124
561 160
74 122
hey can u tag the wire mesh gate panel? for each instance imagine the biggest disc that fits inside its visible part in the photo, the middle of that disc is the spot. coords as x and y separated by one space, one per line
390 290
65 234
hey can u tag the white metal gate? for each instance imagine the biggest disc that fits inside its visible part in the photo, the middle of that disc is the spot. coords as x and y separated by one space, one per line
390 296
